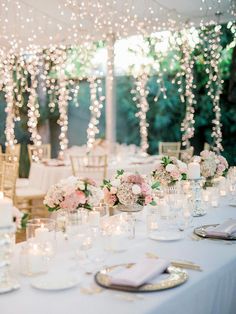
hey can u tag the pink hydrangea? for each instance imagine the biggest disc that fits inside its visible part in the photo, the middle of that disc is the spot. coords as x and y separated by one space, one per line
134 178
72 201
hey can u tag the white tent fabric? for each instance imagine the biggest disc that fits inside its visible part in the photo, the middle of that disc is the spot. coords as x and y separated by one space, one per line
72 21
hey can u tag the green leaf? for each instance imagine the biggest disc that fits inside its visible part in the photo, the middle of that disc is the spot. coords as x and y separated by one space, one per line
153 203
119 173
24 220
155 185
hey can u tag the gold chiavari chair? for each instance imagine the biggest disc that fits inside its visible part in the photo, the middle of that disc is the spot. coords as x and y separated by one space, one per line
6 158
207 146
37 153
14 150
169 148
8 178
23 197
94 166
186 154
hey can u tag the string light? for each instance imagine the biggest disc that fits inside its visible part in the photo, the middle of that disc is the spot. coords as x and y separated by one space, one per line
210 36
186 92
142 105
9 95
63 97
96 99
32 66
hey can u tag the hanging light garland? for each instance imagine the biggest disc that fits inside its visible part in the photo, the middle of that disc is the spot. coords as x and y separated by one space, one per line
63 97
186 92
9 95
32 66
143 107
96 104
210 35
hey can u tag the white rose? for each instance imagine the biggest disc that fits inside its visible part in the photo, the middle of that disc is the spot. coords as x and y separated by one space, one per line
170 168
81 185
113 190
115 183
136 189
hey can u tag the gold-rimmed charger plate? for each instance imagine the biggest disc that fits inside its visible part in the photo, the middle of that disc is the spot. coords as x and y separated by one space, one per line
175 277
201 232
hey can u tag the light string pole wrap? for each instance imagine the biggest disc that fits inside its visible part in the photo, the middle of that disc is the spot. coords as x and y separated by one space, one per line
9 95
186 65
32 66
210 36
96 99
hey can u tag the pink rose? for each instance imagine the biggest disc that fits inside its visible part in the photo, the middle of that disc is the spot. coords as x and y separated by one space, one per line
205 154
220 169
81 197
148 199
145 189
90 181
110 199
175 175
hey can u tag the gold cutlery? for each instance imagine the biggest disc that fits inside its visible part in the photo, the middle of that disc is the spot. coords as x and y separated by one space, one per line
93 289
178 263
129 297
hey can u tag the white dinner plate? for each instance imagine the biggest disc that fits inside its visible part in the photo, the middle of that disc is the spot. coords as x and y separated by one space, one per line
54 283
166 236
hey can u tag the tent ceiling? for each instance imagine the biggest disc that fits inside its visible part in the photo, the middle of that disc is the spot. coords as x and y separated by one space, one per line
43 22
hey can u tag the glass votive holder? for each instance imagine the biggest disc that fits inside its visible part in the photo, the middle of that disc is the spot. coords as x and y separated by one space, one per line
103 209
206 195
151 219
40 230
34 259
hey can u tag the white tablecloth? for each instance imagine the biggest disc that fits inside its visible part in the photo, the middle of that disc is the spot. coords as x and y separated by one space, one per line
42 176
211 291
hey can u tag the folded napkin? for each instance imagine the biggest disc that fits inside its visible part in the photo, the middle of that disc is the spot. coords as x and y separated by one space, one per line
139 273
226 229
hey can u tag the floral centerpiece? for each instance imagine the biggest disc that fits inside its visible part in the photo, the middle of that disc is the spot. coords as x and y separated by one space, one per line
169 170
212 166
129 190
72 193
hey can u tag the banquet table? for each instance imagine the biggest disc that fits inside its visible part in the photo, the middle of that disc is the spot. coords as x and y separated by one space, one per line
43 176
211 291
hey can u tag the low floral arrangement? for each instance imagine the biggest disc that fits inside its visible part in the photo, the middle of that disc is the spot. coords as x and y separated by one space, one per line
169 170
129 189
20 218
72 193
212 166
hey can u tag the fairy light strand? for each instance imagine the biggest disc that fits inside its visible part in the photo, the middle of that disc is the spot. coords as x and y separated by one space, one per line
187 94
96 104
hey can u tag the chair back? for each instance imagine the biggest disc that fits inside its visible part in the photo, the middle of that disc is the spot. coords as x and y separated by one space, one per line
206 146
14 150
37 153
8 179
93 166
6 158
186 154
169 148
